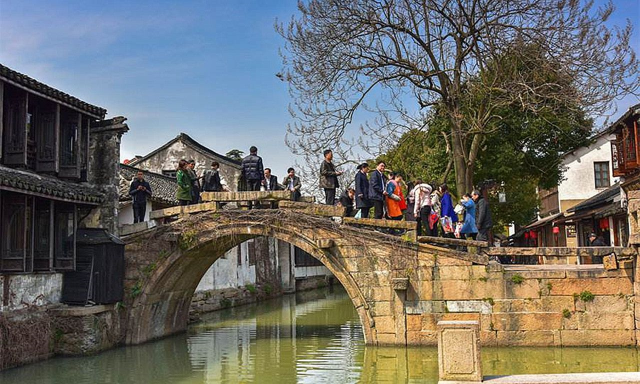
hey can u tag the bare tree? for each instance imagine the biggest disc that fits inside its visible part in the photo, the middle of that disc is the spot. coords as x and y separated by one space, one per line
396 59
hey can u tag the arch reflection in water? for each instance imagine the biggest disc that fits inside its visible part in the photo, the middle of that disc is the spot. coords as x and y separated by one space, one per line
311 337
308 337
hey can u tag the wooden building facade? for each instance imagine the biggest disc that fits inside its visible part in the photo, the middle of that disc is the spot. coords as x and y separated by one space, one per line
44 173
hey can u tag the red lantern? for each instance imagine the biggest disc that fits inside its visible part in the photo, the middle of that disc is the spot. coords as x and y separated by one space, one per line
604 223
526 235
556 230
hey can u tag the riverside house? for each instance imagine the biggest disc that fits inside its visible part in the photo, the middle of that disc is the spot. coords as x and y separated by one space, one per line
58 172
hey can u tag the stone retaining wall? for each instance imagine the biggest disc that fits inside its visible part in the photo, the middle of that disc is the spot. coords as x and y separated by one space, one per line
216 299
527 305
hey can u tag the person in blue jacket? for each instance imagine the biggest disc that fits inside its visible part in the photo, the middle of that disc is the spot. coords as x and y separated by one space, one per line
446 204
469 229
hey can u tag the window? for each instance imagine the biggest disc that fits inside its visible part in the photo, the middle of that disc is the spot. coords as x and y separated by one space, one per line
304 259
46 138
65 237
42 235
169 172
69 140
14 232
15 128
601 171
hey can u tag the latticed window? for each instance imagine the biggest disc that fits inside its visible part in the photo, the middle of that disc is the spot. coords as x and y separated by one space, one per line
601 171
14 232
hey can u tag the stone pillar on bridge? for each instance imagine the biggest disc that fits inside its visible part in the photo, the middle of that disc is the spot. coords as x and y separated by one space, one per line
459 351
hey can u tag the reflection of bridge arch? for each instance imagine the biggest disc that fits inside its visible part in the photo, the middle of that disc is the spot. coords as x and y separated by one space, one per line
180 253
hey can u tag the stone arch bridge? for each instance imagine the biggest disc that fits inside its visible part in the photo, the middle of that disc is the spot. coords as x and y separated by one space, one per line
400 287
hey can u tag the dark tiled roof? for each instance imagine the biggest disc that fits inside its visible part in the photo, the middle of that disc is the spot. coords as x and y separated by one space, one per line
163 188
25 81
48 186
605 197
633 110
183 137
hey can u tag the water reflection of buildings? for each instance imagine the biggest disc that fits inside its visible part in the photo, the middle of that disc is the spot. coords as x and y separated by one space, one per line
293 339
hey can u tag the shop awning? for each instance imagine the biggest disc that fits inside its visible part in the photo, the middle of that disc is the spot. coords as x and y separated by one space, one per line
544 221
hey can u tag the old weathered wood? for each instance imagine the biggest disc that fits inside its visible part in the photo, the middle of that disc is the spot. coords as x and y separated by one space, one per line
450 241
312 209
56 145
380 223
245 196
1 115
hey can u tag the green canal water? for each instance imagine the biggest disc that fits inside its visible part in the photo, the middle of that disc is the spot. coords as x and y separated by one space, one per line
313 337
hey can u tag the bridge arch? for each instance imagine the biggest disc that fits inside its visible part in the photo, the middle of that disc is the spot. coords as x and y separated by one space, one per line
182 252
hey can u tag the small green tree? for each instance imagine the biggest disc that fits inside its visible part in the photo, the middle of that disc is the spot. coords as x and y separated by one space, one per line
235 154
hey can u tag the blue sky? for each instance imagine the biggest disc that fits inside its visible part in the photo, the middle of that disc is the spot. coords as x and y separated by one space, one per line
206 68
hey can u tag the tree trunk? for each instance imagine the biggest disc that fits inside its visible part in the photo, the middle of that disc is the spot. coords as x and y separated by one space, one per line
458 153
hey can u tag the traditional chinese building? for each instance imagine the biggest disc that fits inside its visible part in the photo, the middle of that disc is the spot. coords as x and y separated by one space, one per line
625 152
58 172
587 172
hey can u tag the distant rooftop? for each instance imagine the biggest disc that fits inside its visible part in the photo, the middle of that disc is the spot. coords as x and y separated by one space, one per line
184 138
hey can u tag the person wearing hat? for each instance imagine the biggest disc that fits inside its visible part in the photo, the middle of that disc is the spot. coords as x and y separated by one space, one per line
362 190
596 241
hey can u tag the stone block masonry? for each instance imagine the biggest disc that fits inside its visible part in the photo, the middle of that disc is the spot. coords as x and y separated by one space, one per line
559 305
400 289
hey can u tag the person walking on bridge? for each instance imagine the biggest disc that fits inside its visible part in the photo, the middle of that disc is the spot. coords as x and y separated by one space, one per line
469 228
253 171
484 221
329 178
377 190
394 197
362 191
183 194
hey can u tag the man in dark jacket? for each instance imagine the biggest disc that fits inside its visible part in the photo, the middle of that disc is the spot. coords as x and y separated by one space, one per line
483 216
329 177
252 170
212 182
596 241
139 191
362 190
346 200
377 190
270 181
292 183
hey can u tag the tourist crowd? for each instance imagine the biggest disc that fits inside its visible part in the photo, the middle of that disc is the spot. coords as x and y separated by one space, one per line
433 209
